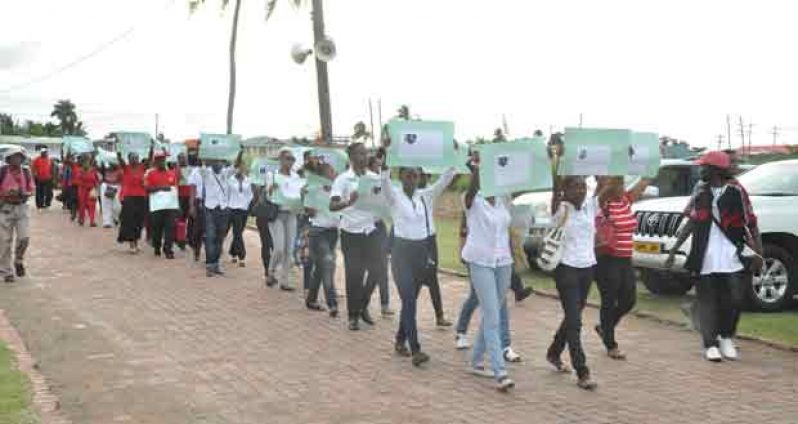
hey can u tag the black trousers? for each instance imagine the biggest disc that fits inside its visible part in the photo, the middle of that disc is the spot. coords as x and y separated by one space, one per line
362 253
265 242
195 228
162 225
431 278
573 285
134 210
44 194
720 299
238 221
410 266
616 283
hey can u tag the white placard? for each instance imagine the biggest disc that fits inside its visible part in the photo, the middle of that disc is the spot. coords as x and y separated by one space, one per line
512 169
592 160
164 200
421 144
639 158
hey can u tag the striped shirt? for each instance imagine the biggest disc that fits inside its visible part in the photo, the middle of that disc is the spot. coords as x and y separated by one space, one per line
623 222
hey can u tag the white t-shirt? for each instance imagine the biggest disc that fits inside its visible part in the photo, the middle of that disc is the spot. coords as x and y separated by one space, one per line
354 221
240 192
488 241
721 255
412 218
325 220
213 188
289 185
580 233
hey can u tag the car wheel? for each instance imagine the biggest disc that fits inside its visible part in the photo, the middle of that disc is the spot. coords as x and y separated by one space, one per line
772 289
665 283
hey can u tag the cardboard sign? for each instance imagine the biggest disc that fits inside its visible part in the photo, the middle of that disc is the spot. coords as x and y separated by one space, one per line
336 158
219 146
421 144
592 151
260 168
164 200
77 145
133 142
370 197
644 155
514 166
317 195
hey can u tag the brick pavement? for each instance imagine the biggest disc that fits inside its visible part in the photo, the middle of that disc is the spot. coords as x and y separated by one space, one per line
126 338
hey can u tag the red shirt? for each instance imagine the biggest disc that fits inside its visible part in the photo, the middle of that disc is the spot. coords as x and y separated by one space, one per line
160 178
43 168
87 179
133 181
620 216
15 181
75 172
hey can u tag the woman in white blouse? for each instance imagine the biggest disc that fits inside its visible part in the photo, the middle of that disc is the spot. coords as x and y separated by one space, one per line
487 253
283 228
239 188
413 257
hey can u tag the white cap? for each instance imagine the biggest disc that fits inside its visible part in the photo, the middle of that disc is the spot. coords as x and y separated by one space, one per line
16 150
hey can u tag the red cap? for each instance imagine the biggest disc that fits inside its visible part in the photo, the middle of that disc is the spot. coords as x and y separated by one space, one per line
159 155
717 159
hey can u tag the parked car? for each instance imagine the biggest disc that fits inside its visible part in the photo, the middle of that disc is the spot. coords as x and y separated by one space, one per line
676 177
773 189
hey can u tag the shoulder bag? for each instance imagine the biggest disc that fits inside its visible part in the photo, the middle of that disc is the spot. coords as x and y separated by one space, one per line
552 246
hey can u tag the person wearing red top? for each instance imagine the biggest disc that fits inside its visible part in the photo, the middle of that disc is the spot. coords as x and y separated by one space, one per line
71 186
161 183
184 189
87 183
134 201
16 186
42 168
615 224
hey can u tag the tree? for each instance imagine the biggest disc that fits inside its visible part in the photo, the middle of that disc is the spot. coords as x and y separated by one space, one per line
403 112
231 93
360 131
64 112
7 125
498 136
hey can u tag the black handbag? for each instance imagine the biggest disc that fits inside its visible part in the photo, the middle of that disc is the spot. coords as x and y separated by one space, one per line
264 208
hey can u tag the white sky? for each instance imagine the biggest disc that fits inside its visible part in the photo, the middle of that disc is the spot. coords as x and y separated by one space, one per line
676 67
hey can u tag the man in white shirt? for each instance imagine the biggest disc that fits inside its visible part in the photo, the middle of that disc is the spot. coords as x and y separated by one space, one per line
359 241
240 196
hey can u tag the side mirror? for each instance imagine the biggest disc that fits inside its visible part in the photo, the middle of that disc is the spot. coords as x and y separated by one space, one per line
651 192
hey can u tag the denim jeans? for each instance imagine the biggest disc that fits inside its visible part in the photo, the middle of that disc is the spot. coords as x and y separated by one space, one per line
616 282
216 222
322 255
410 266
573 286
490 285
468 308
720 297
283 232
362 253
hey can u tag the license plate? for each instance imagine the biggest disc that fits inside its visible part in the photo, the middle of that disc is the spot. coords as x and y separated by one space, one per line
644 247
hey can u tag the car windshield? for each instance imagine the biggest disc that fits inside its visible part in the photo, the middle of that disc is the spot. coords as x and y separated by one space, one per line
772 179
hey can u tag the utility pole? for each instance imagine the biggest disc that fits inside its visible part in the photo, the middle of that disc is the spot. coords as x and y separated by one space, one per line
720 141
728 131
775 133
750 131
371 119
742 133
156 125
379 115
322 79
580 119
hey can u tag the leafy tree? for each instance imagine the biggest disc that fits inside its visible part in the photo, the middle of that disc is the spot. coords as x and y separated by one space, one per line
7 125
231 93
64 112
360 131
403 112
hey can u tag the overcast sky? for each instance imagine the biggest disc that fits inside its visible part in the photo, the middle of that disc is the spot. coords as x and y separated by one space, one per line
675 67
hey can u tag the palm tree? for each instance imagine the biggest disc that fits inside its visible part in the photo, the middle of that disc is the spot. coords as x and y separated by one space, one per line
403 112
231 94
64 111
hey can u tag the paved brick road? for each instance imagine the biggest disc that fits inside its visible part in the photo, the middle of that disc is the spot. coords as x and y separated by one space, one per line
133 339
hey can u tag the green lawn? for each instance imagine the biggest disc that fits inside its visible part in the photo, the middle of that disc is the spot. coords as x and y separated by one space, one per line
15 397
778 327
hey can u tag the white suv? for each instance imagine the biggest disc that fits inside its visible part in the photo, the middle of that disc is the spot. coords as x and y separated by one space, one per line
773 189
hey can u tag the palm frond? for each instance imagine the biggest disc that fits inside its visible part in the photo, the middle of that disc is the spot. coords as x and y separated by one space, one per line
270 4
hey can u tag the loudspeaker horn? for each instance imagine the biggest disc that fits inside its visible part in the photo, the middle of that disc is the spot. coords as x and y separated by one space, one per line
325 50
299 53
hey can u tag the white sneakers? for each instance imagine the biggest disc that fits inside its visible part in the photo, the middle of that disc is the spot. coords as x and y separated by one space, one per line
510 355
725 350
713 354
728 349
461 341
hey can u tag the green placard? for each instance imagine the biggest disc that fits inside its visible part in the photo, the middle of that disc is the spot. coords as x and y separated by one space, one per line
594 151
515 166
317 194
175 149
77 145
106 158
219 146
644 154
260 167
337 158
133 142
288 192
460 161
370 197
421 144
164 200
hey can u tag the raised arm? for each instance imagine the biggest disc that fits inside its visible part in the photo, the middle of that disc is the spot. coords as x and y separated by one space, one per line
443 181
640 186
473 187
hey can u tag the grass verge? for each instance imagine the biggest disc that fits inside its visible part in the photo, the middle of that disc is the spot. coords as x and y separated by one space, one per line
15 396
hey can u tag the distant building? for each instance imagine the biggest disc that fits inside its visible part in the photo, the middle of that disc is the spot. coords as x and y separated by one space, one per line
778 149
53 144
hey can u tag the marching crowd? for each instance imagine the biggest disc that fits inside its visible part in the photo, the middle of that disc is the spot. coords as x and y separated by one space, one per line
216 198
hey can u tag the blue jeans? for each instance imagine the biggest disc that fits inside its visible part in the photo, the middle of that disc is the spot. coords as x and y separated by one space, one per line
468 308
490 285
322 255
216 221
410 266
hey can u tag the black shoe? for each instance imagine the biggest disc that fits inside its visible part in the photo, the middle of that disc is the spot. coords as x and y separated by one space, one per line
366 317
271 281
599 331
9 279
420 358
401 349
314 306
169 255
353 325
196 256
442 322
287 288
157 253
333 312
19 269
523 294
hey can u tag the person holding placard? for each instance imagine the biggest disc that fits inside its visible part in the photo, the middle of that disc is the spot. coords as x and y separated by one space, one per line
134 201
322 240
161 184
240 189
375 163
109 194
487 253
195 226
361 246
413 252
615 276
574 274
284 188
88 184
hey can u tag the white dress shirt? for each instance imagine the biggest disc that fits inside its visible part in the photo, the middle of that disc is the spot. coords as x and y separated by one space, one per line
213 188
580 233
240 192
412 217
721 254
290 185
354 221
488 241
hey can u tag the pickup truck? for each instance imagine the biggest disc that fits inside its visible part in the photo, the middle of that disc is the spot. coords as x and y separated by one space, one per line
773 189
